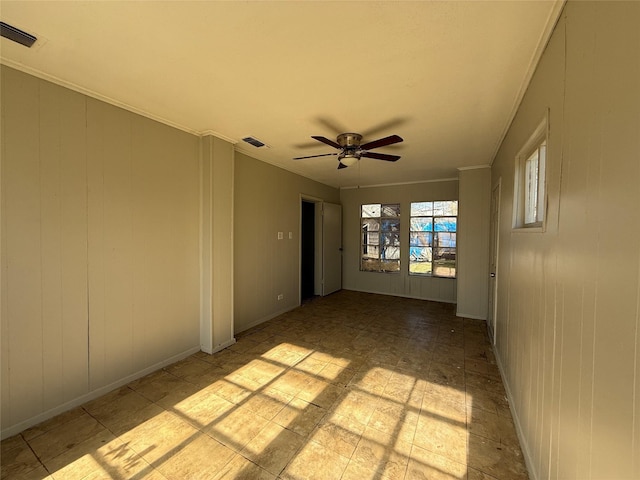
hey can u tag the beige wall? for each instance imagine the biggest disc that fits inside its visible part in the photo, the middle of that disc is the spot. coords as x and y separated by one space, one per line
473 242
100 247
400 284
267 201
568 325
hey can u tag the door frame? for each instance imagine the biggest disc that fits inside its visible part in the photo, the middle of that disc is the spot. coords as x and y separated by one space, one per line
317 264
494 232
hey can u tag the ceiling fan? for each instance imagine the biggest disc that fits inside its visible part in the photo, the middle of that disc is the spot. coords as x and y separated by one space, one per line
351 150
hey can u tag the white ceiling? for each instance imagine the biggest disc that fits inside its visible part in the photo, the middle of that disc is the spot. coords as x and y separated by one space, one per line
444 75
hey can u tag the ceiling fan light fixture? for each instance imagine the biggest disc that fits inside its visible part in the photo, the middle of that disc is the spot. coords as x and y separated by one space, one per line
349 159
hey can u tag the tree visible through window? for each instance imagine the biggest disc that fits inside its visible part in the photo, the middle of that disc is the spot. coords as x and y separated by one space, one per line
432 238
380 225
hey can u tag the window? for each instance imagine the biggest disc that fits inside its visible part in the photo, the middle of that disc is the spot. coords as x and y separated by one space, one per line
432 238
529 189
380 225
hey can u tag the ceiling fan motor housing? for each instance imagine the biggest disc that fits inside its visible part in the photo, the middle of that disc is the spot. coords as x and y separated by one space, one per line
349 140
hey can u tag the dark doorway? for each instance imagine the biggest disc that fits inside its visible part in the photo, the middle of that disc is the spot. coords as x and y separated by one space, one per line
307 249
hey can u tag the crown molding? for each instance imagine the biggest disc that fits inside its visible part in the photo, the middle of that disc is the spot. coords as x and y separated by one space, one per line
543 41
400 183
98 96
474 167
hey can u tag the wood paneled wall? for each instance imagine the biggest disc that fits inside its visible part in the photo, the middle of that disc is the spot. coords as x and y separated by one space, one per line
100 247
568 324
267 200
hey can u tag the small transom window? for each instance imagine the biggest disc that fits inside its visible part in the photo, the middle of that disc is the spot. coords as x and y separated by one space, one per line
529 188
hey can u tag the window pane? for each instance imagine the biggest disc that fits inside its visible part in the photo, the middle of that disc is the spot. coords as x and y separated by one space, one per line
420 254
444 262
370 251
370 238
420 260
391 225
391 239
420 239
390 253
375 265
370 225
421 224
392 210
370 265
531 188
438 209
420 267
444 239
542 153
390 266
422 209
445 208
445 224
372 210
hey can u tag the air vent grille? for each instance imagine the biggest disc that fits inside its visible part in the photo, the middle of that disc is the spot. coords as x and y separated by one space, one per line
254 141
16 35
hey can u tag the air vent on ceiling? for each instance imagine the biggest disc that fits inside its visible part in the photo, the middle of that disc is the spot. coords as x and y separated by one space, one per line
17 35
255 142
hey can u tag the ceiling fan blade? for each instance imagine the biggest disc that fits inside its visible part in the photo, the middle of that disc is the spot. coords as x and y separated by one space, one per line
312 156
341 165
327 141
381 142
381 156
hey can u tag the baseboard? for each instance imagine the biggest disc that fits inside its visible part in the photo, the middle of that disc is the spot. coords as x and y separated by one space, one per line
76 402
413 297
473 317
533 473
267 318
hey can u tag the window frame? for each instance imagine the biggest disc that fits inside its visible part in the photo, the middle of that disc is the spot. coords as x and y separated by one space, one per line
434 235
381 235
536 145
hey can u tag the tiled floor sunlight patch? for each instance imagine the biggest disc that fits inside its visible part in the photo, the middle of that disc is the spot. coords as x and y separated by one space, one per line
350 386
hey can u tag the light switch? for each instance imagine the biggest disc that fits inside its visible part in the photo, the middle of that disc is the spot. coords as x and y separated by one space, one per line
280 235
290 235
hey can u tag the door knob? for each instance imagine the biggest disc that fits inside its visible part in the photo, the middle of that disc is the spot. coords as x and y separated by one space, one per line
492 275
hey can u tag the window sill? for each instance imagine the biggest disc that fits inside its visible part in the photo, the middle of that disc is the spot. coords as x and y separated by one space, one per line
425 275
537 229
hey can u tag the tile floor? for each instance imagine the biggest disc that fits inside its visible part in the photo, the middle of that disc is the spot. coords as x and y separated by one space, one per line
350 386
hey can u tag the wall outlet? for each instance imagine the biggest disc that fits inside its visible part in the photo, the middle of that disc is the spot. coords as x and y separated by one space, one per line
280 297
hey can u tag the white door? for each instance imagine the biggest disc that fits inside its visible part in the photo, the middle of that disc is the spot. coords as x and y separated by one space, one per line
493 259
331 248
